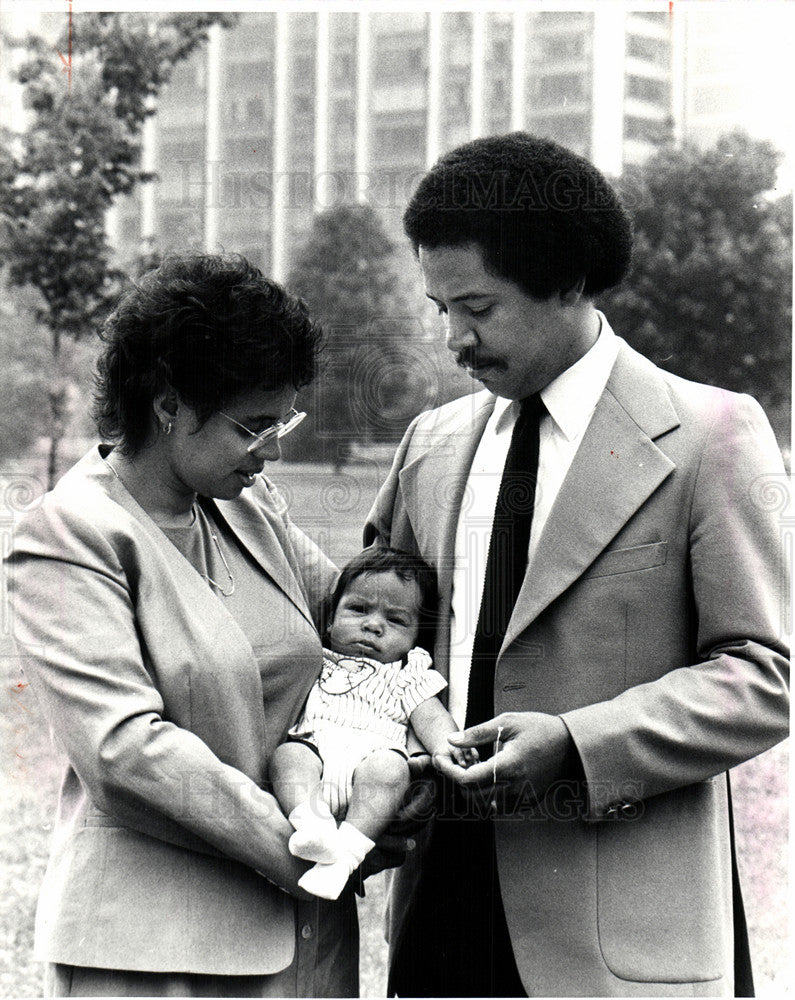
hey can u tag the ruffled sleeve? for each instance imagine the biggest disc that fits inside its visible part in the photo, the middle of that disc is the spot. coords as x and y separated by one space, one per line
418 681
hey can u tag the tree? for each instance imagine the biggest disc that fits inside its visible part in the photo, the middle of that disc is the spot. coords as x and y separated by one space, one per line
709 296
81 149
23 374
371 384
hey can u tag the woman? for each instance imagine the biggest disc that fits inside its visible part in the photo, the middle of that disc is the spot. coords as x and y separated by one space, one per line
165 609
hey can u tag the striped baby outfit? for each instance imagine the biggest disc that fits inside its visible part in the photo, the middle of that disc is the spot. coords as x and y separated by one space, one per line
359 705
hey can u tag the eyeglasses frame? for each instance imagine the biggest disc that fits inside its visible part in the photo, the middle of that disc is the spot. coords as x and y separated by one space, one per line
277 430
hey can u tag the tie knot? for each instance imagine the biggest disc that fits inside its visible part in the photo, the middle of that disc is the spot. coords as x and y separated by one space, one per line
532 407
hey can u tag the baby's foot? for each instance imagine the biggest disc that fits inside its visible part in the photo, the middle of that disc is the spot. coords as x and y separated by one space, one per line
316 835
328 880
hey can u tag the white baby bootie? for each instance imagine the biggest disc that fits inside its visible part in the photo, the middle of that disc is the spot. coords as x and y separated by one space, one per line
316 836
328 880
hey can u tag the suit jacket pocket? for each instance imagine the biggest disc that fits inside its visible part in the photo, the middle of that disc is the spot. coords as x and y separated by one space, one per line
664 888
628 560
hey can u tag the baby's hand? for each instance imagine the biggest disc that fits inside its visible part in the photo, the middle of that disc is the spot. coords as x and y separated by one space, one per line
462 756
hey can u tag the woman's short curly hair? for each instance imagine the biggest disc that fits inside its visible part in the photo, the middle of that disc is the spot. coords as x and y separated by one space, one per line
542 216
208 327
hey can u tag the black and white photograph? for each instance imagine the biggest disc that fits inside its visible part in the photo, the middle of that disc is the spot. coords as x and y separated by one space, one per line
396 522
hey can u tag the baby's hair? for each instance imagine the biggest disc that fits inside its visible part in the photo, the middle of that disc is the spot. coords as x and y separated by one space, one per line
406 566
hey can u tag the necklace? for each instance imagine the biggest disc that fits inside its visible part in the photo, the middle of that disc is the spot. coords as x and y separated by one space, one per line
209 579
193 521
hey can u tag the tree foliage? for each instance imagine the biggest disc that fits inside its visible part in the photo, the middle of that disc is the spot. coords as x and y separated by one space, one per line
80 150
348 274
709 296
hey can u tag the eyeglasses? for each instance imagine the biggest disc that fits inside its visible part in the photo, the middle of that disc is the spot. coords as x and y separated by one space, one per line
276 430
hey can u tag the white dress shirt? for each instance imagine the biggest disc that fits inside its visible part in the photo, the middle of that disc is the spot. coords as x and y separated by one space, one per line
570 401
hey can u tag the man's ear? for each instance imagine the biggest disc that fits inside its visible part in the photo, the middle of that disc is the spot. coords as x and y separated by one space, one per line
571 296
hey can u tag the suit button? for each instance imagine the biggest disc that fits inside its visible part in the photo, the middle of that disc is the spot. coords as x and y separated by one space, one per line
306 931
612 811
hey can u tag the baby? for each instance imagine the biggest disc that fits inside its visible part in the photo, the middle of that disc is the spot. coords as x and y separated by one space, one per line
347 756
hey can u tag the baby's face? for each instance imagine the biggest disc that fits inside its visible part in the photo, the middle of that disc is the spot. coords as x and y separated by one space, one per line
377 616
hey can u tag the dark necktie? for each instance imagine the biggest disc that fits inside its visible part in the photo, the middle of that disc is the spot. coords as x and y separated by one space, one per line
507 559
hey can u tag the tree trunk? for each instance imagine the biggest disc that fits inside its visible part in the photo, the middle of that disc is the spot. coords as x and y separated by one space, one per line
57 397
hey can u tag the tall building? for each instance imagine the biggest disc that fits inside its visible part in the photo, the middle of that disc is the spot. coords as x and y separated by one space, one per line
738 71
291 112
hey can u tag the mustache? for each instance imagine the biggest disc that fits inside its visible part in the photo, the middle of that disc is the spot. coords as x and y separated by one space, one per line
467 358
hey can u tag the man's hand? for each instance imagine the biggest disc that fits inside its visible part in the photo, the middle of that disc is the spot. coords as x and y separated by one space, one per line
532 750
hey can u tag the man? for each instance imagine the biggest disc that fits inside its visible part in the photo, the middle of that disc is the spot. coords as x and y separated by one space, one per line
619 637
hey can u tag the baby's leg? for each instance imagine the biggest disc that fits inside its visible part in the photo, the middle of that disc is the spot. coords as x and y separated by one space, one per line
295 771
379 784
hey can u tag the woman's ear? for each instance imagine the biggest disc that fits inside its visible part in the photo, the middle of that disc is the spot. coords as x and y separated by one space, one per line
165 406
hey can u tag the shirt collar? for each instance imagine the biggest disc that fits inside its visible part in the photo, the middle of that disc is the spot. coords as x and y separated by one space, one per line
571 398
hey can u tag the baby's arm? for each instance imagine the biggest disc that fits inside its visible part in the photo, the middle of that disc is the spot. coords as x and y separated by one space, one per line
432 724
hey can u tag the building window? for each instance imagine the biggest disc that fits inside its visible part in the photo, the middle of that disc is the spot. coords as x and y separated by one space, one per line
644 88
563 47
653 50
256 149
457 42
500 94
555 88
303 105
187 80
302 71
655 131
342 66
397 143
659 17
255 110
343 135
249 73
571 130
399 58
560 19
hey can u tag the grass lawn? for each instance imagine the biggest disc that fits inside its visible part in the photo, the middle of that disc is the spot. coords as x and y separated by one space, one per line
332 510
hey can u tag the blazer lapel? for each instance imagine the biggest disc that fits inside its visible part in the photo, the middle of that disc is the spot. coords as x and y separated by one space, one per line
256 528
616 468
252 524
175 571
436 481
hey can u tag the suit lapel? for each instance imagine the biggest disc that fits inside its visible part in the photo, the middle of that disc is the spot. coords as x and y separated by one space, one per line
436 482
616 468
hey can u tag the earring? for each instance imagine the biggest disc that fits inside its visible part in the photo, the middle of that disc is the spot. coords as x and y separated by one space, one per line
167 428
